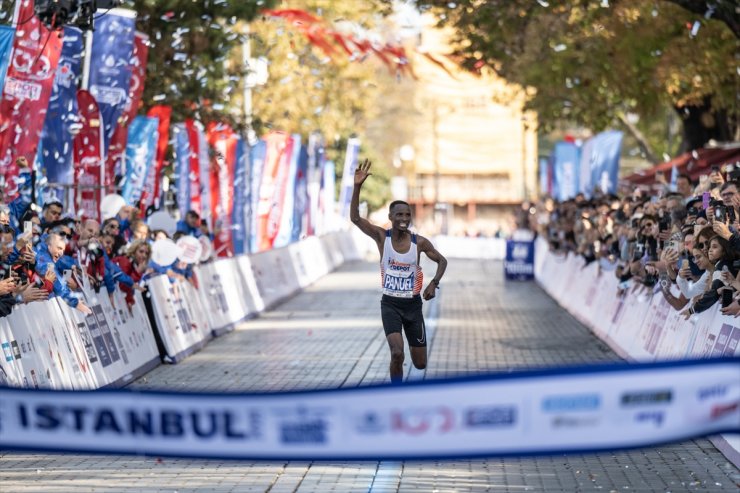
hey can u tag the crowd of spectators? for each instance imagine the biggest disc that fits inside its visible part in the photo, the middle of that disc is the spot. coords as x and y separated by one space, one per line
681 239
48 254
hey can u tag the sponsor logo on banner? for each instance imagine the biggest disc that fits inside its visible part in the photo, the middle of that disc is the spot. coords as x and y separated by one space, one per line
655 417
646 398
490 416
571 421
575 402
7 351
720 410
108 95
520 251
440 419
713 391
371 423
22 90
303 430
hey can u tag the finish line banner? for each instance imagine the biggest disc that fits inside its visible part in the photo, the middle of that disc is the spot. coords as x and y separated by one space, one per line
529 413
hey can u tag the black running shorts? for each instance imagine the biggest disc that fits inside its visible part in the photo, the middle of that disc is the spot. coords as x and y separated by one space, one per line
404 313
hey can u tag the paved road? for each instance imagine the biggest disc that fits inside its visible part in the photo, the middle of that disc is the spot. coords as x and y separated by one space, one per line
329 336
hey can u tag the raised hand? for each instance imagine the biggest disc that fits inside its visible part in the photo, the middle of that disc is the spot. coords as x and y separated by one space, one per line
362 172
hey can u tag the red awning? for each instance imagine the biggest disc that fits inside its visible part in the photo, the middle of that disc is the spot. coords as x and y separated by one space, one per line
694 164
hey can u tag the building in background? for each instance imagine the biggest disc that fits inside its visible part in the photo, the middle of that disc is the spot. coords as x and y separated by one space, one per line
475 149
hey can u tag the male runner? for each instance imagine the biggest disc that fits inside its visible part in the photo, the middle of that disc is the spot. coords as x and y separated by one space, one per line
400 251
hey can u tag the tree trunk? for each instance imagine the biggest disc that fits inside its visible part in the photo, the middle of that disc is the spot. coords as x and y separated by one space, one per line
701 123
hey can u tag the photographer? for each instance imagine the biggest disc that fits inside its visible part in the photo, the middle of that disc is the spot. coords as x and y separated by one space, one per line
48 253
721 255
13 288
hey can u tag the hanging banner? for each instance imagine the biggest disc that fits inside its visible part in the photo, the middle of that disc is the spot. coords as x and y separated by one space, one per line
565 170
110 66
181 152
62 121
241 215
274 174
557 411
26 92
117 145
88 158
152 191
285 222
315 169
328 202
300 202
195 133
544 175
6 45
604 160
257 162
140 151
224 142
348 176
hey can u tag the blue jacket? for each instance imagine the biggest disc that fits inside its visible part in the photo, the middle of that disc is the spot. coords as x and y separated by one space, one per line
183 227
114 274
43 260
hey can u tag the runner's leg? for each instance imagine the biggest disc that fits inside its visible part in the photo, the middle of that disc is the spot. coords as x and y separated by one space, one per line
395 343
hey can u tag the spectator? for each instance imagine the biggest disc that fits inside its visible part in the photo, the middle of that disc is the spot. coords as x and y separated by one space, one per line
135 264
139 231
190 225
48 253
51 212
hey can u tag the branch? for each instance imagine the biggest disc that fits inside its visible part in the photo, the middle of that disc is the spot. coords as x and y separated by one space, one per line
641 140
724 11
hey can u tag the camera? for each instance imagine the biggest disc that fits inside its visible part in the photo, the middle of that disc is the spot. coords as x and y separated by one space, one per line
664 223
727 295
720 213
692 211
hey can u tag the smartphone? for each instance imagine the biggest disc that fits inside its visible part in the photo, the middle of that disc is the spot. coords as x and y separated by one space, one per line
727 295
705 198
720 213
28 228
715 169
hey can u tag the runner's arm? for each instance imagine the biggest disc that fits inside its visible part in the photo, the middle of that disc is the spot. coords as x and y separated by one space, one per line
426 246
375 232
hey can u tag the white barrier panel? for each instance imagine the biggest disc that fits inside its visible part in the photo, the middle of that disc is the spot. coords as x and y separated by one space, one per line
638 324
50 345
182 321
224 292
569 410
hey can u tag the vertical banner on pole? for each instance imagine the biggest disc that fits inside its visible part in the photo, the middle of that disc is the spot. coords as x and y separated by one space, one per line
6 45
277 155
194 186
240 214
26 92
152 191
300 202
117 147
605 153
62 120
223 140
565 170
88 158
182 167
315 169
328 203
285 221
348 176
110 62
257 162
141 148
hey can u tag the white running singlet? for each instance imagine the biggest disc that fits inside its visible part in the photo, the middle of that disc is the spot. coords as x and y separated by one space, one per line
401 275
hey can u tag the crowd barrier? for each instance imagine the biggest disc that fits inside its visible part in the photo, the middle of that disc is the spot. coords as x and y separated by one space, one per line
637 324
470 247
52 346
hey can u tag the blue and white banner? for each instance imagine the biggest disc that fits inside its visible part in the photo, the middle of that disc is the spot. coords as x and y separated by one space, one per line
182 152
241 213
57 137
7 34
110 66
565 170
301 202
141 148
327 202
257 163
604 160
285 230
519 261
555 411
545 175
348 176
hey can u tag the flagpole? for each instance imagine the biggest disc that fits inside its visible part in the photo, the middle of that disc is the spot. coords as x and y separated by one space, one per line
17 12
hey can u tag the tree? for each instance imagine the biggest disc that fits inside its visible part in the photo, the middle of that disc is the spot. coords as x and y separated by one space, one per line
596 64
335 95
